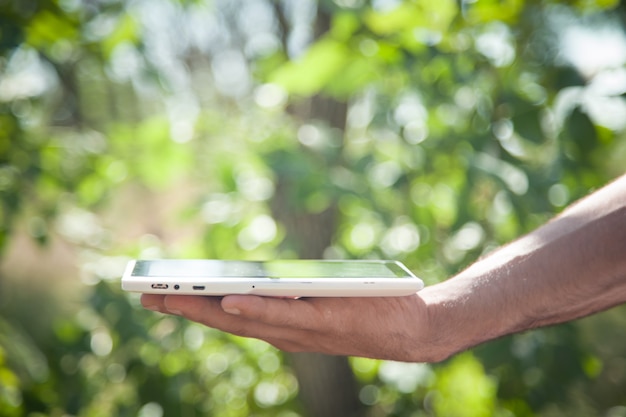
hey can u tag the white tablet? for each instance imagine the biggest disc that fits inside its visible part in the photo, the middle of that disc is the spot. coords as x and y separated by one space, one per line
291 278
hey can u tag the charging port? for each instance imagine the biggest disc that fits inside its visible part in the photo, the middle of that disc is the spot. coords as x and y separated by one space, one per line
198 287
160 286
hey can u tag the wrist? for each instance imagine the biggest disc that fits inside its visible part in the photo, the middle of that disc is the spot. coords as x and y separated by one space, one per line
460 315
442 331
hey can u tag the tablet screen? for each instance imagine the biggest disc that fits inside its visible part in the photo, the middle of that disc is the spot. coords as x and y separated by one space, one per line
269 269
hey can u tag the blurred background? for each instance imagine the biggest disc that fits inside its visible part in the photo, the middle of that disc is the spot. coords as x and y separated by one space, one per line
425 131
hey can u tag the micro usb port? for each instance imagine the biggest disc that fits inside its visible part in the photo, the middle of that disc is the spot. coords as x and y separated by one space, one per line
198 287
160 286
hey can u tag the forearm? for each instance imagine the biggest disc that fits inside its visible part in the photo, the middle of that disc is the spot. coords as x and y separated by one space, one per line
569 268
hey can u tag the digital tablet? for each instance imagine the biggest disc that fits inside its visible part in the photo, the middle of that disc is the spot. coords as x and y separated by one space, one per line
290 278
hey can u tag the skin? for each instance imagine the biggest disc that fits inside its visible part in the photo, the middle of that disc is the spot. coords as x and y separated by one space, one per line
573 266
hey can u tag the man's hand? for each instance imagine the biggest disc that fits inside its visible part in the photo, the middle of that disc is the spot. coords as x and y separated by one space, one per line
569 268
384 328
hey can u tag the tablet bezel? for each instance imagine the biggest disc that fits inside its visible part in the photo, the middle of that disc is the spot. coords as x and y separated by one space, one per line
328 286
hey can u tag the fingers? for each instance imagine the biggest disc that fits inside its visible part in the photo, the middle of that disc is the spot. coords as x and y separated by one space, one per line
209 311
196 308
279 312
325 325
154 302
374 327
276 321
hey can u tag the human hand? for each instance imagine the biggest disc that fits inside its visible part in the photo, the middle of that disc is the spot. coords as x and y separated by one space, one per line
394 328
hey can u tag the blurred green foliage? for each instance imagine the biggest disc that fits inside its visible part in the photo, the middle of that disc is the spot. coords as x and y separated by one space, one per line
429 132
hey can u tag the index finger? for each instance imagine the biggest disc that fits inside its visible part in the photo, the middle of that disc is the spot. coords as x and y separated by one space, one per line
280 312
303 314
153 302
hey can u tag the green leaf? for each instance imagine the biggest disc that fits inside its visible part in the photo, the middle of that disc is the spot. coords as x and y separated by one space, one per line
490 10
344 26
402 17
434 15
582 131
46 28
464 390
355 76
125 31
150 152
313 71
528 124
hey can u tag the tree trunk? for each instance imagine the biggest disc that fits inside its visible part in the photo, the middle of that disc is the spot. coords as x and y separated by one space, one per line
328 387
